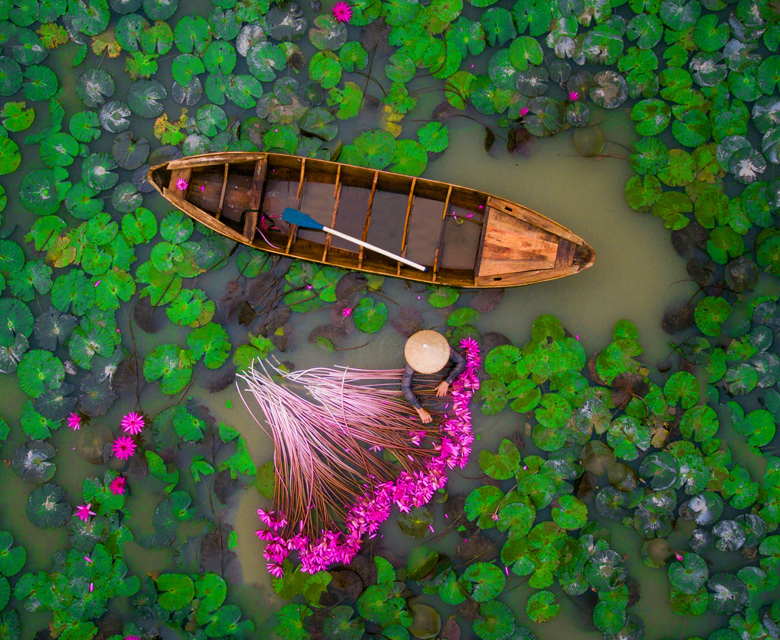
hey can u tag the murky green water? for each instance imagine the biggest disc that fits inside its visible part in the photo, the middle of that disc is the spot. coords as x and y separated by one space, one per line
637 275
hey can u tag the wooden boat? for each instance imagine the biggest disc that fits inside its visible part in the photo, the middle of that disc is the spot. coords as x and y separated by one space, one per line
465 238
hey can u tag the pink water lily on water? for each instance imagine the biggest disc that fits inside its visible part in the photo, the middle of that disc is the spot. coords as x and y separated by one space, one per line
83 511
346 312
74 421
342 12
118 485
524 111
573 95
133 423
181 184
124 447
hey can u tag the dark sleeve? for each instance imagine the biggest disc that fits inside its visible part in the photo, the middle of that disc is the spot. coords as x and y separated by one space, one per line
460 365
406 387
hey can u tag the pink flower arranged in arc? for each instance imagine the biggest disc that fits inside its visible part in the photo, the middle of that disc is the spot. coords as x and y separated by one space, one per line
181 184
83 511
342 12
573 95
74 421
133 423
124 447
371 509
118 485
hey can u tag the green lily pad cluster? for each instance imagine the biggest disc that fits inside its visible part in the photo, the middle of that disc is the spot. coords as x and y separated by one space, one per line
393 599
85 577
658 449
704 117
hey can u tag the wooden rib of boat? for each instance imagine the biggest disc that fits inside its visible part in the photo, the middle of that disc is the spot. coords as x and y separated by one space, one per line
465 238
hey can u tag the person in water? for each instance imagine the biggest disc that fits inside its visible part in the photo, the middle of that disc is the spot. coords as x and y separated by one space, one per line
428 352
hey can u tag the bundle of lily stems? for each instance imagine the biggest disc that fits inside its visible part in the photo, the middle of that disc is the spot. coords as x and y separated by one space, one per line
345 456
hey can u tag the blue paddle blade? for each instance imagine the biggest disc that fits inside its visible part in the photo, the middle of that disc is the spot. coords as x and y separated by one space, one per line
300 219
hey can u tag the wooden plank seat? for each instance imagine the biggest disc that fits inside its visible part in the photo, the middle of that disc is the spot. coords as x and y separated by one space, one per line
255 196
317 202
462 236
386 229
424 230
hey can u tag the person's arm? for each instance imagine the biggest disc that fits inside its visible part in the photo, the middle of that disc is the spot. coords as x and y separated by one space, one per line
460 366
406 387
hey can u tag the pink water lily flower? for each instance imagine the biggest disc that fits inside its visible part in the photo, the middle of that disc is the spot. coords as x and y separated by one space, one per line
181 184
133 423
74 421
124 447
524 111
346 312
573 95
83 511
342 12
132 638
118 485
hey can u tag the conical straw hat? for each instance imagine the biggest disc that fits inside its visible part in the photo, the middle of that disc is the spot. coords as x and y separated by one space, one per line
427 351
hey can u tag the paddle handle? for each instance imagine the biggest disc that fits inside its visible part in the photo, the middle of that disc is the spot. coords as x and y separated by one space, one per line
373 248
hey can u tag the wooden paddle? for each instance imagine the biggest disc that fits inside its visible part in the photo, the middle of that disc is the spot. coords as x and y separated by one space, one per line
300 219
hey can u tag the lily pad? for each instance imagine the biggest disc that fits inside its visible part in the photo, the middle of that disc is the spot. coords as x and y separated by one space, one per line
145 97
130 152
32 462
94 86
690 575
416 523
369 315
483 581
45 509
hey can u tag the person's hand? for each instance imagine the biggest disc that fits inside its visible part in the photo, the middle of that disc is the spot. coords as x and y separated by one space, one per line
424 415
442 389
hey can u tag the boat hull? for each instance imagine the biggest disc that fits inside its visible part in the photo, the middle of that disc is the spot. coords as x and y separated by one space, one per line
464 238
